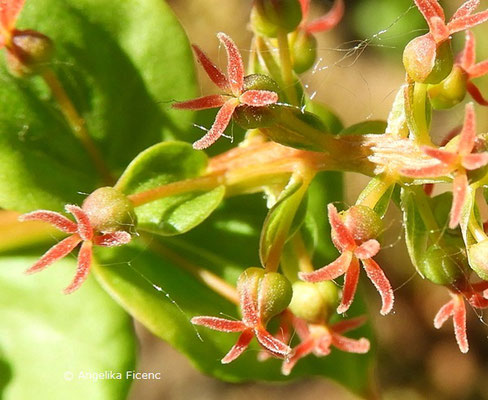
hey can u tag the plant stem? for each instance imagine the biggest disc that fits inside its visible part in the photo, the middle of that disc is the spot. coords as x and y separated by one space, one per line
77 124
304 260
372 194
287 68
419 113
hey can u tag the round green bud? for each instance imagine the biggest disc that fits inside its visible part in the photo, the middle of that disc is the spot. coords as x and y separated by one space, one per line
450 92
363 222
314 302
29 52
427 61
109 210
478 258
269 16
303 51
440 266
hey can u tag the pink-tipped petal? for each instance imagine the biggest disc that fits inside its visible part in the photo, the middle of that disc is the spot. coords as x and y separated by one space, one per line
343 343
55 253
258 98
468 134
468 56
202 103
478 70
331 271
213 72
219 324
272 344
9 12
430 9
350 284
302 350
382 284
322 344
466 8
83 269
467 22
475 161
476 94
235 66
478 301
117 238
431 171
438 29
221 121
348 324
340 232
459 321
84 226
459 191
444 156
329 20
305 5
368 249
59 221
301 328
443 314
239 348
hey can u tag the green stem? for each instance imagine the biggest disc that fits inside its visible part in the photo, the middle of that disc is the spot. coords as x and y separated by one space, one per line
372 194
287 68
420 115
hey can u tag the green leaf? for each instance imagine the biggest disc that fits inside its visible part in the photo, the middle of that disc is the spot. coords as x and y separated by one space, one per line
45 335
416 234
162 164
121 63
365 128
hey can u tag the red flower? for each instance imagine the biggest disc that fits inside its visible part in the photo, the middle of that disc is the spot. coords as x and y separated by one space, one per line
81 231
348 265
456 308
325 22
9 12
318 338
467 62
233 96
456 162
251 325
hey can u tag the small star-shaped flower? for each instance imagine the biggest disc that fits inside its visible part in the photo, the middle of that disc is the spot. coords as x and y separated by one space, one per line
233 96
80 232
251 325
324 23
318 339
456 162
348 265
467 62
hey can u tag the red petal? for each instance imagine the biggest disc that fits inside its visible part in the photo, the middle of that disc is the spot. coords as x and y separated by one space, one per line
9 11
113 239
430 9
444 156
268 341
221 121
219 324
368 249
459 321
343 343
305 4
476 94
202 103
438 29
235 66
475 161
382 284
301 328
329 20
331 271
468 134
342 235
348 324
443 314
258 98
323 343
55 253
466 9
478 301
468 56
84 226
459 190
478 70
302 350
432 171
84 264
59 221
239 347
467 22
350 284
213 72
248 301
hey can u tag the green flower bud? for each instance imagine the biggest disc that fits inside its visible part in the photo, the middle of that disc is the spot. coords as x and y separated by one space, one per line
109 210
440 266
478 258
450 92
303 51
268 16
29 52
363 222
314 302
427 61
